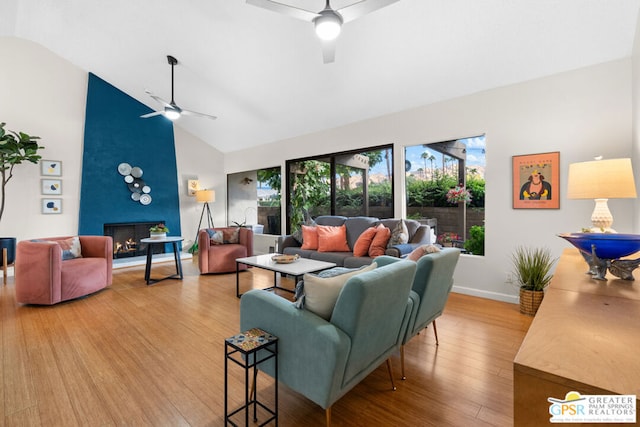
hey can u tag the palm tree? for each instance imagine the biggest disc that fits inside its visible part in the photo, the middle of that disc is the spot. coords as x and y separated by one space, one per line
431 159
424 156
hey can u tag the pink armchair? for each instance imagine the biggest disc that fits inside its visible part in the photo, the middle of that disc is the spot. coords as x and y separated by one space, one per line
42 277
221 258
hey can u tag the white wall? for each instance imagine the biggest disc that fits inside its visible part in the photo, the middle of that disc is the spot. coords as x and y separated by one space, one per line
582 114
45 95
635 93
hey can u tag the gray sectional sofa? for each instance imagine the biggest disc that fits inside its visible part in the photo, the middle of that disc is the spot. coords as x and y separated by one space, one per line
419 234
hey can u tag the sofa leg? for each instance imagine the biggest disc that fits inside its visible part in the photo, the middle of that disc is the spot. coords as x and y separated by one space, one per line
328 416
435 331
393 385
402 362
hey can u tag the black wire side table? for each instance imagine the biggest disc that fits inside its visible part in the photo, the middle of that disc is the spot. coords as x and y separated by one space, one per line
248 350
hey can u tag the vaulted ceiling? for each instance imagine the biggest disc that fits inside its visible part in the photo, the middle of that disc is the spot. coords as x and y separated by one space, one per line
262 73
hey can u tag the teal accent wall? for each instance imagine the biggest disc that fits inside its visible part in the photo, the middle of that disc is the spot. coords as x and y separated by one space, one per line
114 133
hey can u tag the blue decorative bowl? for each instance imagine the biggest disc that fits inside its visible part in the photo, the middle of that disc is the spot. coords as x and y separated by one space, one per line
608 245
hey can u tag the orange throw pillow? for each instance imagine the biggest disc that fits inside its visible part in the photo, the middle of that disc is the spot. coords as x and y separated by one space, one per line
379 243
332 239
361 248
309 238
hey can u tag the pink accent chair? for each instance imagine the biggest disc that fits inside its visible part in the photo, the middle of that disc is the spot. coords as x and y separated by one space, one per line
42 277
222 258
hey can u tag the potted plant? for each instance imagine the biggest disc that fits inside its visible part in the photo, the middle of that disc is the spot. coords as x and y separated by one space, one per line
532 269
447 238
475 243
158 231
459 195
15 148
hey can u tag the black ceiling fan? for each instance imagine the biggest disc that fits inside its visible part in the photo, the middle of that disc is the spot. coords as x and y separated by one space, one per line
328 22
171 109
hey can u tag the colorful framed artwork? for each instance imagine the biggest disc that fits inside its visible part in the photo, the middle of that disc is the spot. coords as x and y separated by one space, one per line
51 206
50 168
51 187
536 181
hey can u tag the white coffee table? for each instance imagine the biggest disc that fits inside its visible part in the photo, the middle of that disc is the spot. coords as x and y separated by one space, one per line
174 240
296 269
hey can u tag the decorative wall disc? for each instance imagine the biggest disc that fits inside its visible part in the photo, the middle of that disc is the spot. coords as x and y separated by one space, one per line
139 190
124 169
136 172
136 185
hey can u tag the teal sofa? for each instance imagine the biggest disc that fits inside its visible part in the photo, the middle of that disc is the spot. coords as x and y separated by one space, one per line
321 359
430 291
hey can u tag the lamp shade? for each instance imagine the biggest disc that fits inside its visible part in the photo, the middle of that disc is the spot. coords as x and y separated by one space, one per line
205 196
601 179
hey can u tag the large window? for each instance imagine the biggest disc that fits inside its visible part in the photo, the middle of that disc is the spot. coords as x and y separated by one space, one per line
349 183
254 199
438 175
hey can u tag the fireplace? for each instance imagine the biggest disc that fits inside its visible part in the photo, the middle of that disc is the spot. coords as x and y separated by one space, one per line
126 238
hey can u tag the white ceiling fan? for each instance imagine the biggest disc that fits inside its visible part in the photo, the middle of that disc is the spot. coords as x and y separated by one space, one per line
328 22
171 109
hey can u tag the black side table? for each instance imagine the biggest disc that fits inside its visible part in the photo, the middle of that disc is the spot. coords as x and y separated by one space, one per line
176 257
248 350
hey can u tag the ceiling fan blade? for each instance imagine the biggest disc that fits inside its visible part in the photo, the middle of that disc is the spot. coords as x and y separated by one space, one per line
155 113
193 113
158 99
356 10
329 51
294 12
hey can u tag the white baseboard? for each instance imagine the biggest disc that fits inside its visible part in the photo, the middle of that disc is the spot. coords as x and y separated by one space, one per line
486 294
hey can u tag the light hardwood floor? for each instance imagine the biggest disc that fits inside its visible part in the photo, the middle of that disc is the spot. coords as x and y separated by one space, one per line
140 355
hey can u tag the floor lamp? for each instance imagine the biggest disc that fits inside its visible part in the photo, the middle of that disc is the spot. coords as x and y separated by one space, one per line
206 197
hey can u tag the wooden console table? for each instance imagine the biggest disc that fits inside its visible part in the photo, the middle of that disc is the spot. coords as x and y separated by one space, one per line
584 338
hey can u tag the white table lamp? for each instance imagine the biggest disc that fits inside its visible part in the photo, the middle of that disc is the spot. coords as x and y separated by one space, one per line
601 180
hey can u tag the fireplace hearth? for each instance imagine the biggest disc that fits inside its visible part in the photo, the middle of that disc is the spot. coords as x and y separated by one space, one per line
127 236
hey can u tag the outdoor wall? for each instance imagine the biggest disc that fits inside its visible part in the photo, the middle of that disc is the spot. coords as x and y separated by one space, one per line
581 114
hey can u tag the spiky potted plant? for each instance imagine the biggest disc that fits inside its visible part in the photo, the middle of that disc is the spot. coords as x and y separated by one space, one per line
532 269
15 148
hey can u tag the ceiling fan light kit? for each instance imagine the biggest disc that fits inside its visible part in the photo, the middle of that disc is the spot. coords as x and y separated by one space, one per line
328 22
171 110
328 25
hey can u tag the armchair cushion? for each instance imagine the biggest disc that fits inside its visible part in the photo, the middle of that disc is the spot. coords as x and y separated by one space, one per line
320 292
421 251
224 235
70 248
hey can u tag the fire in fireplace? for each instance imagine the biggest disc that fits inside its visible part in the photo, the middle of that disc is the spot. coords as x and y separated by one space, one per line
126 238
